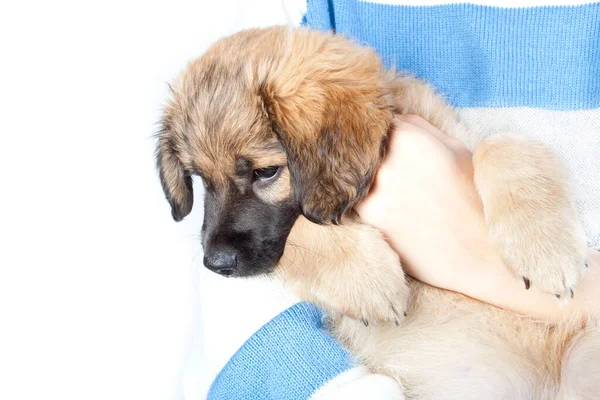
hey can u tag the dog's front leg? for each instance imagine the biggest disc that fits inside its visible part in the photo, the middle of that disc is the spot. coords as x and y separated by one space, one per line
347 269
530 212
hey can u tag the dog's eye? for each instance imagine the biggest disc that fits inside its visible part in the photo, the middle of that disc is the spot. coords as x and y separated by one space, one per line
264 174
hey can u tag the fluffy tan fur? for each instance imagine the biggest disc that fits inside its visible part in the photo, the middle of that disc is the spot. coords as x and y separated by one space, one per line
348 269
326 104
529 211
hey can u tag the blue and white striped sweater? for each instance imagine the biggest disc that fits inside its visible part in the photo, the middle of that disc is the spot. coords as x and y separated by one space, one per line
293 357
273 360
481 56
533 71
529 70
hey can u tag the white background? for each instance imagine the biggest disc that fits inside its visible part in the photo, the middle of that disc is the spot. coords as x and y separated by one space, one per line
99 288
102 295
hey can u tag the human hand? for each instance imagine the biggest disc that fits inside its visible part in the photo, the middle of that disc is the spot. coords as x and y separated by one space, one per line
424 201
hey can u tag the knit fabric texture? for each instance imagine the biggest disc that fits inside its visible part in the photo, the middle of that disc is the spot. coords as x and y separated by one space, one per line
291 357
481 56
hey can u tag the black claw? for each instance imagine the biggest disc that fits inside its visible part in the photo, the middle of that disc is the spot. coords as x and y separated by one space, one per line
572 294
405 313
557 296
527 283
364 321
396 322
586 265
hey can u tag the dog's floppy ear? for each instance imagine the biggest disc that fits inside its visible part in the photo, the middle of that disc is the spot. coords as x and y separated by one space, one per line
176 182
329 112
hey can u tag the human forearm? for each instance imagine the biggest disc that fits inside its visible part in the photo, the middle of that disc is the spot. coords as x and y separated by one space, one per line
425 203
493 283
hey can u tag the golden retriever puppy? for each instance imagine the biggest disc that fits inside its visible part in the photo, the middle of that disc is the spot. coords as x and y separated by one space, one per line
286 127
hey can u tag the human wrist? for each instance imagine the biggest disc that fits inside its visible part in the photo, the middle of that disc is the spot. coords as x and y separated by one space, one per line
494 284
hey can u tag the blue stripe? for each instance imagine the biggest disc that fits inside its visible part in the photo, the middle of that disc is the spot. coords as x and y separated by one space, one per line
289 358
482 56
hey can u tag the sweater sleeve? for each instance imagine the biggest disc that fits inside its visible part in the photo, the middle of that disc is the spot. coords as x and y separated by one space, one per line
293 357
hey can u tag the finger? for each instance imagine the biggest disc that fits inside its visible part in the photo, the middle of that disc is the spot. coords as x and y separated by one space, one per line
420 123
412 133
460 153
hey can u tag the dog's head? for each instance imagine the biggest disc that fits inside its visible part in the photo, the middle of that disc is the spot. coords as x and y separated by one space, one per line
277 122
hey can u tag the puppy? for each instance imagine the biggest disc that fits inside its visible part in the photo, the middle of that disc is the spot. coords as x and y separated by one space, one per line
286 128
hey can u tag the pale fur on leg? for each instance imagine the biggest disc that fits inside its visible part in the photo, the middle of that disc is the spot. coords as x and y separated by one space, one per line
530 212
453 347
352 270
581 368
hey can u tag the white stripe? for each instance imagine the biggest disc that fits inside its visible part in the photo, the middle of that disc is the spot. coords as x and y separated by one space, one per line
294 11
494 3
575 135
358 383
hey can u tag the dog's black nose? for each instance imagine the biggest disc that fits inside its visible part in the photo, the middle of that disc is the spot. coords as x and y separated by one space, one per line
222 262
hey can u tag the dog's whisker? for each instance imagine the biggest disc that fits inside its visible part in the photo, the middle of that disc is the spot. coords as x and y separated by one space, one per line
304 248
198 254
297 251
280 269
266 278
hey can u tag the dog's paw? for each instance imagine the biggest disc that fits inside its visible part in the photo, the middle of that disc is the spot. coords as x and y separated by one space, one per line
552 265
348 270
530 213
380 304
372 302
369 285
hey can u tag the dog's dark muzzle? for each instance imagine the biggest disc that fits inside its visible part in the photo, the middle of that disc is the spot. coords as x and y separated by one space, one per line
223 261
242 235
